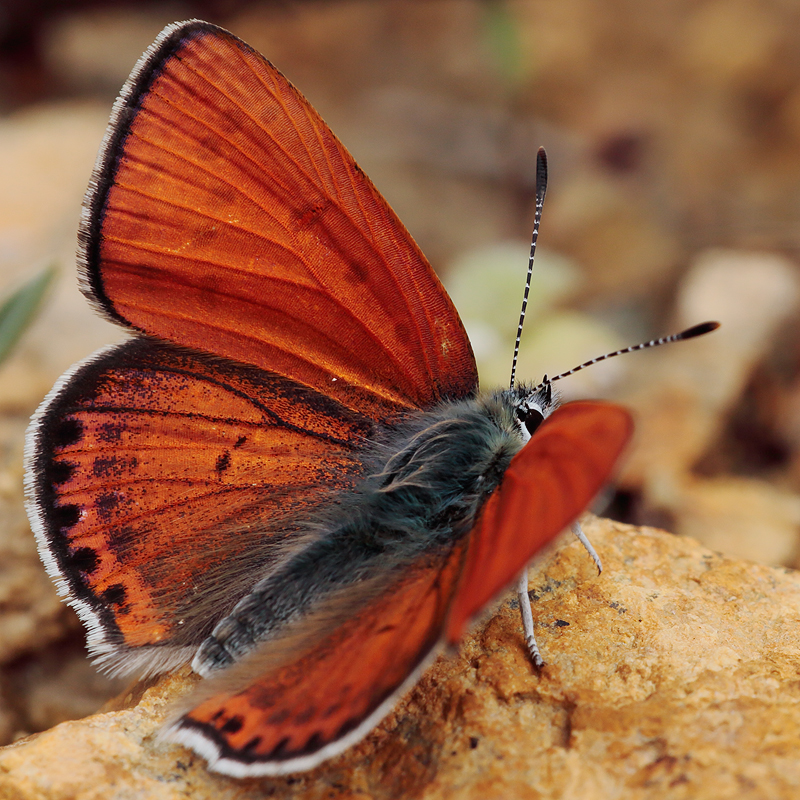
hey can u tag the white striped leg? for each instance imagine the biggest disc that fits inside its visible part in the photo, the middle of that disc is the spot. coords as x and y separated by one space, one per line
578 531
525 600
527 619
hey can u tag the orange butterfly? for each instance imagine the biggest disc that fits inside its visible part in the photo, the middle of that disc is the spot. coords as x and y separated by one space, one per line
287 474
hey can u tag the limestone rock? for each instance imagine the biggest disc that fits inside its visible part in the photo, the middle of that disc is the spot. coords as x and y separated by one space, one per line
673 674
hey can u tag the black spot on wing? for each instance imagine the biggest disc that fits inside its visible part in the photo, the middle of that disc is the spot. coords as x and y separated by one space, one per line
61 472
65 433
65 516
110 432
306 715
223 462
114 466
252 744
84 560
115 595
106 503
279 716
233 725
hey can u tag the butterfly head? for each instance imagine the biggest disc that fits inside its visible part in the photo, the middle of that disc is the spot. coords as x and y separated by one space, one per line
532 405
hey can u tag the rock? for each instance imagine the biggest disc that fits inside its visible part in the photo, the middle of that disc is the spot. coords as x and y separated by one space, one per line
745 518
672 674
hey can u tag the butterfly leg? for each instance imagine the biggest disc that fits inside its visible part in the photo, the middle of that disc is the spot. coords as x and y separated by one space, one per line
525 601
527 619
578 531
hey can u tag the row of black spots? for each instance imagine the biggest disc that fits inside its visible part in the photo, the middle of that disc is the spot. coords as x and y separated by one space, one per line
313 744
69 432
282 750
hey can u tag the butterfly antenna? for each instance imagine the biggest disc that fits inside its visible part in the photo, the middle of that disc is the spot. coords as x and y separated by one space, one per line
689 333
541 188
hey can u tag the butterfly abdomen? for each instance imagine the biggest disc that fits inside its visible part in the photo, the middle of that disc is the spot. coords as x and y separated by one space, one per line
424 495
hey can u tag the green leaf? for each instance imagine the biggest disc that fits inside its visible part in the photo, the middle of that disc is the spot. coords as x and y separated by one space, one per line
19 310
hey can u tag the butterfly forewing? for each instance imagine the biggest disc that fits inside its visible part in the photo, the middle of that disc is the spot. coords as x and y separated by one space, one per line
226 216
546 487
162 481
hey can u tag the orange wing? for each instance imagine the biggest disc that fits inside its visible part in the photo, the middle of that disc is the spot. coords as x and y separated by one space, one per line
548 484
159 483
226 216
336 690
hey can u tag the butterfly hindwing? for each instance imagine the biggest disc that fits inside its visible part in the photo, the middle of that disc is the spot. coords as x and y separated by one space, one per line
160 482
224 215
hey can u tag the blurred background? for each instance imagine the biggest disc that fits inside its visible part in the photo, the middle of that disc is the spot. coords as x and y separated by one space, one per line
673 134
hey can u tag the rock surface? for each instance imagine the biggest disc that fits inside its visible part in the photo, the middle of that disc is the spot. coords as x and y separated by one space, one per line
674 674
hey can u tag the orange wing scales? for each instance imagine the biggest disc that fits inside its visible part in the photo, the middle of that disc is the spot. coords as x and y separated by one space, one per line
547 485
266 235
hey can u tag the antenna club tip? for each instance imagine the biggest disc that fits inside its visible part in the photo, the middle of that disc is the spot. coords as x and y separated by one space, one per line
698 330
541 174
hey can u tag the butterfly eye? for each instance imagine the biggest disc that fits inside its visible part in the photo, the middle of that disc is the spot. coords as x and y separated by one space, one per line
530 418
533 419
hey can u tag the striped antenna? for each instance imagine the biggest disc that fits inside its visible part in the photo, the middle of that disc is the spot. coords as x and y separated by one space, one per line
689 333
541 188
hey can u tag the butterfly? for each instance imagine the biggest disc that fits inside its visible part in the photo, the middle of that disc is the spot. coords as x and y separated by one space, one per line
286 475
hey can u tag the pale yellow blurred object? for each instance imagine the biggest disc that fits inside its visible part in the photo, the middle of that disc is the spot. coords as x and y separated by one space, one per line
681 397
